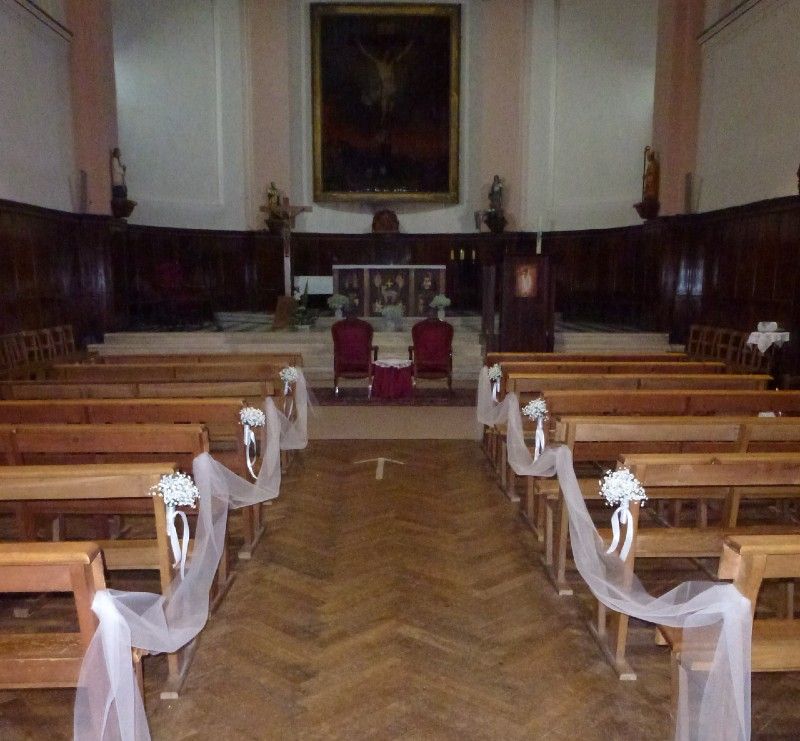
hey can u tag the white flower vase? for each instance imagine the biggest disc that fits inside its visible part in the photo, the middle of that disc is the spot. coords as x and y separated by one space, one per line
337 312
440 313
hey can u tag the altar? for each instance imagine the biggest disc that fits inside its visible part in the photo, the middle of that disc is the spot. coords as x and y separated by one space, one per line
370 288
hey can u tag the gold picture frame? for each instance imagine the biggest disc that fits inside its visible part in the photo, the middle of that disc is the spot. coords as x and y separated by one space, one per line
386 91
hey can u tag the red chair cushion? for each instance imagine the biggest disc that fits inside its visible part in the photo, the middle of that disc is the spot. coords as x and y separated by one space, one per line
433 342
352 346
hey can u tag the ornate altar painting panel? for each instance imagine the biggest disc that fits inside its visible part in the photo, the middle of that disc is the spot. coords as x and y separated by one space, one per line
389 286
385 101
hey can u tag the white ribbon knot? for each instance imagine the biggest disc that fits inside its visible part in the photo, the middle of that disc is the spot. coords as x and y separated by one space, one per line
250 449
179 549
621 516
538 441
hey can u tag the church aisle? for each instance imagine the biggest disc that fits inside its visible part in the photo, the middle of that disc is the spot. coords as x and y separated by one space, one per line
408 607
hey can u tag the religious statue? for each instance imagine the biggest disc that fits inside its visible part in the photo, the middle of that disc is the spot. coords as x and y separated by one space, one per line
121 207
493 217
273 199
496 194
649 206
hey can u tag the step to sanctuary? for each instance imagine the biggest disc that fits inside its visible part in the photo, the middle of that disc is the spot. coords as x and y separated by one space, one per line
243 332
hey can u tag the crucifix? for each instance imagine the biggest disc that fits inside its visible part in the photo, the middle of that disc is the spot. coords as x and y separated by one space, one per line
282 216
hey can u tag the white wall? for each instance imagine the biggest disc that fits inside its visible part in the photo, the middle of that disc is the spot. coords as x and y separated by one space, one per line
749 141
178 68
592 103
36 146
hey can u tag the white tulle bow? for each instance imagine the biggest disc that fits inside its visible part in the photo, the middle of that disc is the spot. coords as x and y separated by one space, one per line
250 449
621 516
180 549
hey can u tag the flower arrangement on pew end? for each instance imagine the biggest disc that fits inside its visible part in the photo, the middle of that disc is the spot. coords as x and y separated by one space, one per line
495 374
250 418
619 488
177 490
536 409
440 302
289 376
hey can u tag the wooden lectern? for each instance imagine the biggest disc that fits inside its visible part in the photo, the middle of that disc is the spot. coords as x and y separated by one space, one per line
528 302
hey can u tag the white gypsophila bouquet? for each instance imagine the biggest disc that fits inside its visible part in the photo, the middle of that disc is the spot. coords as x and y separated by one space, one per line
338 301
252 416
621 487
439 301
536 409
176 489
495 373
289 374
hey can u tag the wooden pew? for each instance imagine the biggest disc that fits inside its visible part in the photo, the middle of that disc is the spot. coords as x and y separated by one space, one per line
49 659
281 359
673 401
510 357
606 367
522 383
163 372
253 392
601 440
219 416
104 488
756 475
749 560
686 401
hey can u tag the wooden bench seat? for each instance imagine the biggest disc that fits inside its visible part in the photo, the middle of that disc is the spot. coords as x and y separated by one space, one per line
118 488
510 357
613 366
690 402
220 416
164 372
253 392
604 439
749 560
524 383
277 358
49 659
659 474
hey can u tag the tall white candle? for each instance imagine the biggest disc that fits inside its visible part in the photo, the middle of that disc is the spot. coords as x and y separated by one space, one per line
539 237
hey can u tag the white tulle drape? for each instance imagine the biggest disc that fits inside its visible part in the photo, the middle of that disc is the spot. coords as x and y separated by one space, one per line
108 705
714 702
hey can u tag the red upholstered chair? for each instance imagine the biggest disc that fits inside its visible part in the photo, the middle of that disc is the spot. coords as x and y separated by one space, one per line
432 351
353 351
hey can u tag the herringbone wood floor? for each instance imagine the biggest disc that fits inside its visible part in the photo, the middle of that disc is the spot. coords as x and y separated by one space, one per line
412 607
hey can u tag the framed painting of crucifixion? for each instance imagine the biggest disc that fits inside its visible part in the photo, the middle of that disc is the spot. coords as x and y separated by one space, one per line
385 85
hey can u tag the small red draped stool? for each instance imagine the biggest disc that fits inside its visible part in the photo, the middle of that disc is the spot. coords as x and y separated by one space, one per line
392 379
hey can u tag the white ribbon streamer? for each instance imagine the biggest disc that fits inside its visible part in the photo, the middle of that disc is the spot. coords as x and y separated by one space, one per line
495 389
621 516
538 441
179 549
250 449
714 701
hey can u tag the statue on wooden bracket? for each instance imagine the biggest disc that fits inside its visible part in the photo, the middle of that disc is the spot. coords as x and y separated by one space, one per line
121 206
649 206
494 217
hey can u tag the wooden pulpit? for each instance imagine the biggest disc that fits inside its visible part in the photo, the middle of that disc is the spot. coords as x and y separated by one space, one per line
528 301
